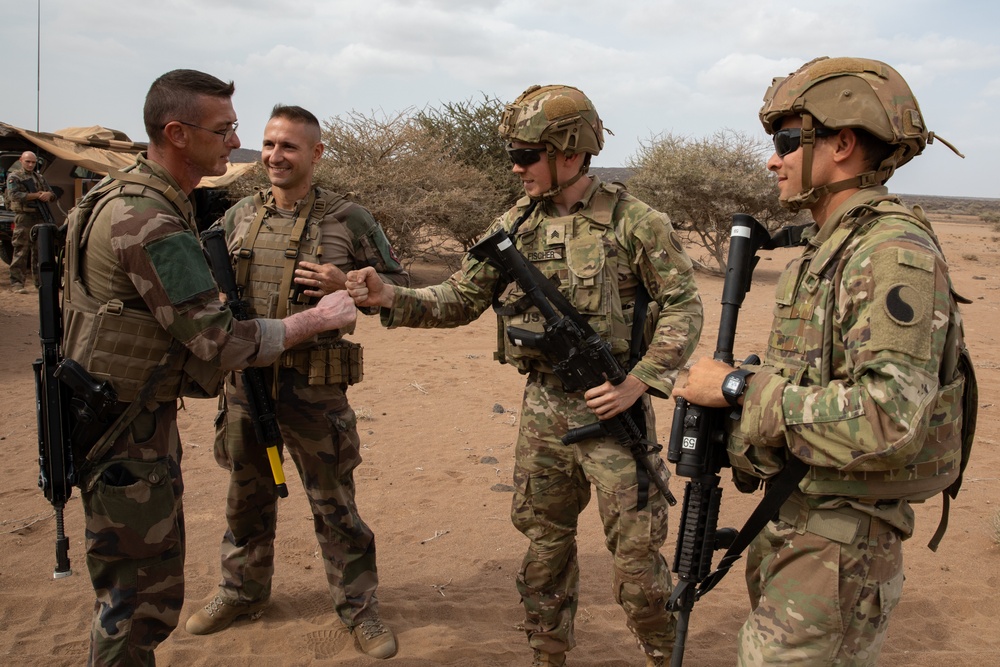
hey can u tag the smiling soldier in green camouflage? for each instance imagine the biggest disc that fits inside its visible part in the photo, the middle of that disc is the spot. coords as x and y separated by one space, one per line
601 246
297 232
142 312
861 378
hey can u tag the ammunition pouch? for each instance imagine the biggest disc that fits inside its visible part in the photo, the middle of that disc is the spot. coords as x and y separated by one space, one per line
335 362
123 346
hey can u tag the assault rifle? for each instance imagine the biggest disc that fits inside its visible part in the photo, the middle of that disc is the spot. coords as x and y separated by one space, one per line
261 406
698 448
55 452
43 206
73 409
579 358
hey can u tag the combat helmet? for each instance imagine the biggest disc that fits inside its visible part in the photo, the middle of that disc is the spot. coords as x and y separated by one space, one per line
562 118
856 93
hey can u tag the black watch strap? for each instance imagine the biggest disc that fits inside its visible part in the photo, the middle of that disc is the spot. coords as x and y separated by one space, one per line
735 385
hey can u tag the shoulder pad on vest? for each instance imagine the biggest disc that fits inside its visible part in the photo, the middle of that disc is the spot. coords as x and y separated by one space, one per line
604 201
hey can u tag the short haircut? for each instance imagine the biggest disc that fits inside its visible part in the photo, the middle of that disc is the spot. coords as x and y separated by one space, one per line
294 113
174 96
298 115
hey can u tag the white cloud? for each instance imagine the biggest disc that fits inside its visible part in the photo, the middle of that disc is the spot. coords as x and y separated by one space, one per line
650 65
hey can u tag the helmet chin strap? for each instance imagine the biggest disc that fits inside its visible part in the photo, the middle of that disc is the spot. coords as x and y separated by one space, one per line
558 187
810 195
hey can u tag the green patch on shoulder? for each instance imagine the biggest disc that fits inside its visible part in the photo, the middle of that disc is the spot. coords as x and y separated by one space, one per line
180 266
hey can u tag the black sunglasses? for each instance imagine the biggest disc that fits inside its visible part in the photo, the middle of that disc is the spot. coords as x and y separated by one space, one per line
788 141
522 157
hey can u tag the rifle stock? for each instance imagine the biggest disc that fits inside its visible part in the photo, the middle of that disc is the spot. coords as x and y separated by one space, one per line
698 444
260 403
579 358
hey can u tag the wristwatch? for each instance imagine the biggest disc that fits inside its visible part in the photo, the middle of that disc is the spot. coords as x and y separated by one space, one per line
735 385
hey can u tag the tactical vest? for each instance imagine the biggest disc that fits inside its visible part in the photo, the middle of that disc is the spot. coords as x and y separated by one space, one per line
111 340
580 253
265 260
40 185
804 314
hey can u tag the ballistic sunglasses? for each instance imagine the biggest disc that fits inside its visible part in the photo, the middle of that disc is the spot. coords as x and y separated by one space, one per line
788 141
522 157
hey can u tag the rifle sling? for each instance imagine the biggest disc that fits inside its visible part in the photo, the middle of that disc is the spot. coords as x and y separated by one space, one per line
778 491
636 350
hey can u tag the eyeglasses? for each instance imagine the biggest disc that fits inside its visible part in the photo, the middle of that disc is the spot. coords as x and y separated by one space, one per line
523 157
788 141
226 134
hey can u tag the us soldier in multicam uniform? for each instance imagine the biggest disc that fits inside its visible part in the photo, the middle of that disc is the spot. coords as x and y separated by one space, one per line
24 203
601 244
331 235
142 312
859 378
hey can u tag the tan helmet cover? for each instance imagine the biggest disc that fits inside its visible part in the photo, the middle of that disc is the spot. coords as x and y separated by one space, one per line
854 93
561 116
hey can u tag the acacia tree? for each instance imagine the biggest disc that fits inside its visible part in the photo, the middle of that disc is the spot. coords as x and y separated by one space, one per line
468 132
409 179
701 183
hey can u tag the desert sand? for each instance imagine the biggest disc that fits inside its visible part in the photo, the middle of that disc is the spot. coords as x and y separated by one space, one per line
438 424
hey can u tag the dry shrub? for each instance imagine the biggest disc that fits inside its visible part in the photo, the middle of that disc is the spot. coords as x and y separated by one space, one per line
701 183
407 179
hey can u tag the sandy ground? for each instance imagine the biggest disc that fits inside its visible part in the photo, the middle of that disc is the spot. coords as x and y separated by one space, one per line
438 427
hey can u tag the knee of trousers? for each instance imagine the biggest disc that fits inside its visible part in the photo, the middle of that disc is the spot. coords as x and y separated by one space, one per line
640 594
540 571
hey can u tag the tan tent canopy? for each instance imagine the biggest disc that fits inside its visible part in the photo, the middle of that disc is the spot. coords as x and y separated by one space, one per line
101 150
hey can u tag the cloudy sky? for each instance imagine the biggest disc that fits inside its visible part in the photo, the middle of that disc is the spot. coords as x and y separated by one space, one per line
650 66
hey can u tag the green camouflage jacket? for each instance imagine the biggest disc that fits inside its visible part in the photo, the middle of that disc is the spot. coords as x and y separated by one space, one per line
17 191
141 252
343 233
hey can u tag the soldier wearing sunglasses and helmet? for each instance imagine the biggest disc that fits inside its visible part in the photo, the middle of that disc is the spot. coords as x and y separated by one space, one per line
602 246
863 378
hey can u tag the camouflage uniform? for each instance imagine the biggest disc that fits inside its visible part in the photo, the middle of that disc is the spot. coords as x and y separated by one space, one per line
850 385
141 261
318 427
608 244
26 216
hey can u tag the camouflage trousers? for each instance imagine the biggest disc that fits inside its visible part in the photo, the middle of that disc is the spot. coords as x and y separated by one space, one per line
135 541
319 430
552 486
24 262
819 600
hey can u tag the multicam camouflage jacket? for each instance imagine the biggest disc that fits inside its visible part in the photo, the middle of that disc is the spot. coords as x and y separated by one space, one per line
137 280
859 378
599 253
